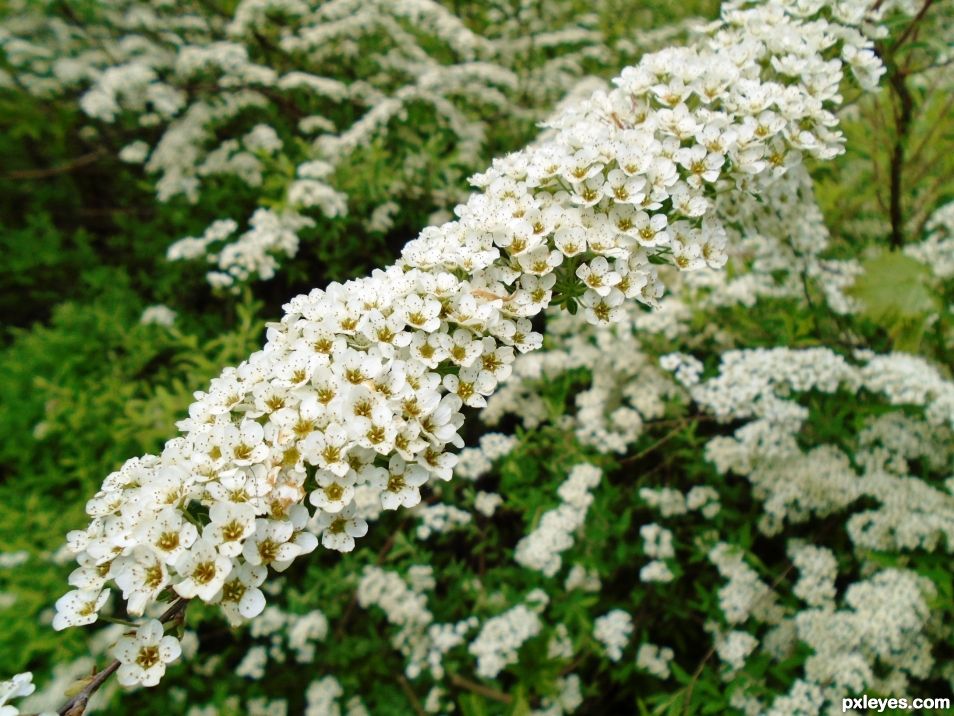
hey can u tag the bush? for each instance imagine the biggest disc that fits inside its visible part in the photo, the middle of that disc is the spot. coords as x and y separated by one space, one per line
734 497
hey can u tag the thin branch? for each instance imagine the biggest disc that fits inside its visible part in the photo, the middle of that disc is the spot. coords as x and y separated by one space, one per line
687 700
904 115
76 706
65 168
479 689
411 696
659 443
903 118
913 26
943 117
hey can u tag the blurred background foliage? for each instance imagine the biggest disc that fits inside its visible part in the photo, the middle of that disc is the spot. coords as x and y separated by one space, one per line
84 385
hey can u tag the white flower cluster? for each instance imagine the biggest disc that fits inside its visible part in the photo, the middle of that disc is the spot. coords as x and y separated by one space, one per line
158 315
500 637
654 659
734 648
473 462
937 249
286 633
280 113
744 595
419 639
795 484
882 629
657 544
566 701
361 385
613 631
540 550
818 570
435 519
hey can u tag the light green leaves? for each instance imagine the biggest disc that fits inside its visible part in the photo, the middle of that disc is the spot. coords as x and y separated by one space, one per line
895 292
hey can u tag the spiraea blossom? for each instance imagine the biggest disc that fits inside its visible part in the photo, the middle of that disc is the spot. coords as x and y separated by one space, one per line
363 385
144 655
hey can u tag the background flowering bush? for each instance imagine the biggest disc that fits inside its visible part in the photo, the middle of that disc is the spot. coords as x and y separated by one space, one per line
731 496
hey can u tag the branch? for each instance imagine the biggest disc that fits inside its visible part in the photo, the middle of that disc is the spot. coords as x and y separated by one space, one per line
47 172
480 689
902 125
680 425
903 118
76 706
411 696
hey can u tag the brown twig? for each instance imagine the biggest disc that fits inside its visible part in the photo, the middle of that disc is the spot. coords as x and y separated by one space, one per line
480 689
76 706
687 701
65 168
411 696
903 118
382 555
914 24
659 443
904 115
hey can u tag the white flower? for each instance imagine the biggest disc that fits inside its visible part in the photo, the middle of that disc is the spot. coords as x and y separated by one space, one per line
271 542
613 631
702 165
328 449
400 486
338 531
571 240
598 276
335 492
17 687
624 188
230 524
169 534
143 656
204 571
240 597
650 229
244 444
158 315
471 384
602 310
79 607
141 575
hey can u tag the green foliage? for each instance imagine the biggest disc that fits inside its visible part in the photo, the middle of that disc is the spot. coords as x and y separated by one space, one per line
77 398
896 293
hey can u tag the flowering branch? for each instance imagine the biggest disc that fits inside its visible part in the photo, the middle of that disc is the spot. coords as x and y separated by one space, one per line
76 706
363 385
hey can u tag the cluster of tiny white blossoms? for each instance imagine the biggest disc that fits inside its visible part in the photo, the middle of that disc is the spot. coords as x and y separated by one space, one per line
903 511
761 386
419 639
210 80
500 637
541 549
937 249
361 385
613 631
654 659
158 315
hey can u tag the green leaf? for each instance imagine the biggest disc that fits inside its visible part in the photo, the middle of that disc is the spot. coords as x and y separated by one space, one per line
895 293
